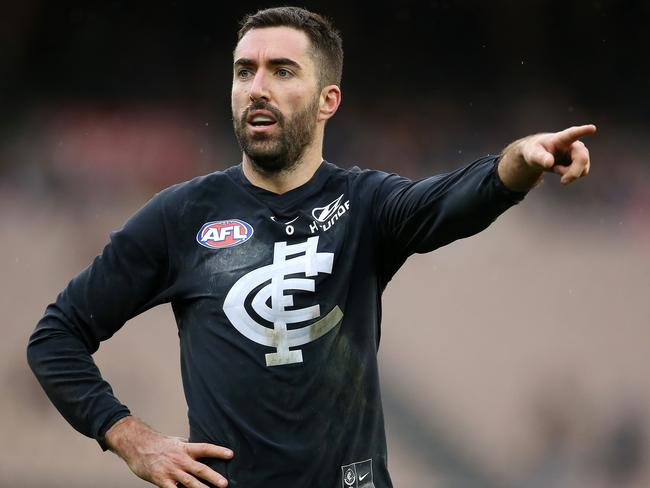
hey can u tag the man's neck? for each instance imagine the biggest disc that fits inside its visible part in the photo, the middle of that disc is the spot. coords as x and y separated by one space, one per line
284 181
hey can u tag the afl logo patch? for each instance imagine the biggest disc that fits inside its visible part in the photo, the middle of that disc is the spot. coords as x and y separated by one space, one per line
224 233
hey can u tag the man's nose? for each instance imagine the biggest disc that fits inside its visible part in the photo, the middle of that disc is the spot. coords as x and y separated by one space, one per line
259 87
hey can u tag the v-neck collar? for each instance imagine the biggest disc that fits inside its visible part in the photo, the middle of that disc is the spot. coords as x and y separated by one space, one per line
286 200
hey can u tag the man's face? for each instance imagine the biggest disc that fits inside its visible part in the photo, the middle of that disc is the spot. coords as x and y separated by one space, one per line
275 96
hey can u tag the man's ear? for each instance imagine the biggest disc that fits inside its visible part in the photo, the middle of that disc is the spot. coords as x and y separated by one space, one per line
330 99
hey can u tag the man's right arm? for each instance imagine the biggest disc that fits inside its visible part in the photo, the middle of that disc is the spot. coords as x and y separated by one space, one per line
133 273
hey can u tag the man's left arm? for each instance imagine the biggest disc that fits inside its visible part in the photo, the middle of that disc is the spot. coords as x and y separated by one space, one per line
523 163
420 216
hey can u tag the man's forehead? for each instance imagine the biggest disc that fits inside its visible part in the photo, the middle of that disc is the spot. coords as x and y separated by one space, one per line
265 43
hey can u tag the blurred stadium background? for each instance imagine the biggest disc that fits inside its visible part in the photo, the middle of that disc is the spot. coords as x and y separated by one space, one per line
518 358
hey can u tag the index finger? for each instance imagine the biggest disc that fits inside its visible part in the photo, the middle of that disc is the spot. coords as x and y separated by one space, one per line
572 134
203 449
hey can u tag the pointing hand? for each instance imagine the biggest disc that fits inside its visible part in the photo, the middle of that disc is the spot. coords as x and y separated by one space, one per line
523 161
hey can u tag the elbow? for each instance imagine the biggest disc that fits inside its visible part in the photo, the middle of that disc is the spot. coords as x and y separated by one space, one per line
55 340
35 350
49 336
31 354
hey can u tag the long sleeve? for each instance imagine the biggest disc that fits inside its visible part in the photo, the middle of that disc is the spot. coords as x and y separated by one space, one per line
131 275
418 217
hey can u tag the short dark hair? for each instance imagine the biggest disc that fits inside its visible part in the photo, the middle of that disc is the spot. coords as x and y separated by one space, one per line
325 40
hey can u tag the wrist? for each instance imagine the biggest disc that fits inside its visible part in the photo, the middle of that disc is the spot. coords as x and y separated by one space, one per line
514 171
122 434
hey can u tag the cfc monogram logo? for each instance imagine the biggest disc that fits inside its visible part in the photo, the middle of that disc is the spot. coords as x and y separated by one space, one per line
287 260
358 475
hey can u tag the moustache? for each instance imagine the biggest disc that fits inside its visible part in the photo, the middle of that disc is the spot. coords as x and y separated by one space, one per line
262 105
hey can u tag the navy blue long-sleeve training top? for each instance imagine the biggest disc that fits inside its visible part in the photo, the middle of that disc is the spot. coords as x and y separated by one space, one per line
278 304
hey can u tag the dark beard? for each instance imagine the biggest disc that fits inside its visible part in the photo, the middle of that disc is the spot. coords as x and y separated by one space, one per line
282 151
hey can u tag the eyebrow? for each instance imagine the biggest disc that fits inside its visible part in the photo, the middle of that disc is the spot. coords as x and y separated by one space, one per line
272 62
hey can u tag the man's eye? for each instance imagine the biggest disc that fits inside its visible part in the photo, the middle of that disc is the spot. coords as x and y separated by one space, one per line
283 73
243 73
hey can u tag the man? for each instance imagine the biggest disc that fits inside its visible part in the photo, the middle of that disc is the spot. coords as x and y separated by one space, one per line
275 270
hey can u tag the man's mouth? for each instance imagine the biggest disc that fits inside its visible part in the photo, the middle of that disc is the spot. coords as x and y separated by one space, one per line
261 119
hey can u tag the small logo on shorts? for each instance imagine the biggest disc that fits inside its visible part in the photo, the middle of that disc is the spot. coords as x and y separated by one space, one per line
349 477
357 475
